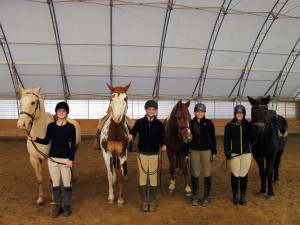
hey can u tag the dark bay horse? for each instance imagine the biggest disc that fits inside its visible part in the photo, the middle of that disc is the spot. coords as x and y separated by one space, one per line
176 134
114 140
271 132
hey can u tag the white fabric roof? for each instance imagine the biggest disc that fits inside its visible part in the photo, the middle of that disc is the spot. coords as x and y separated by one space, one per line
84 29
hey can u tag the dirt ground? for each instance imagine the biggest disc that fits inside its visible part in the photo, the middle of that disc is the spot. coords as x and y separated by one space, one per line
19 192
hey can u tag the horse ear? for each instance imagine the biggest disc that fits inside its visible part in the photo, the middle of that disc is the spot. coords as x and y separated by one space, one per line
266 100
38 90
188 103
21 90
110 87
251 100
126 87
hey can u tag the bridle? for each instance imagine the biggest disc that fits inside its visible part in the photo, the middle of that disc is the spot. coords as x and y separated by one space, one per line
261 125
185 128
32 116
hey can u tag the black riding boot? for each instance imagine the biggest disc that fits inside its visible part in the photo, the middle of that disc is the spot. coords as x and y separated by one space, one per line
67 200
57 200
207 186
195 186
152 198
243 189
235 188
143 195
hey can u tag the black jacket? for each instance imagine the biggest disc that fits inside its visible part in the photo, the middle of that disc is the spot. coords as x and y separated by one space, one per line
151 135
60 137
238 137
204 137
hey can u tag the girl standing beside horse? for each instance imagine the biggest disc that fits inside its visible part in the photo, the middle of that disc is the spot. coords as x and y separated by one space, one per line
61 154
151 137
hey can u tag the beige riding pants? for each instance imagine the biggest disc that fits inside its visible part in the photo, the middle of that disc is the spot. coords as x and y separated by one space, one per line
149 165
198 158
57 170
240 164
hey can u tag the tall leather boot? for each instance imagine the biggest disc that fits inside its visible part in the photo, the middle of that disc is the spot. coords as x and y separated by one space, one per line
67 200
243 189
195 186
57 200
235 189
143 195
152 198
207 186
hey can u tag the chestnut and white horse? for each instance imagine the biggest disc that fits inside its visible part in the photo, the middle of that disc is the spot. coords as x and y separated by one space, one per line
35 120
114 140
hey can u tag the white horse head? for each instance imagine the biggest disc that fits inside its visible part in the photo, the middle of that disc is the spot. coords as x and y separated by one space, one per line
118 102
31 106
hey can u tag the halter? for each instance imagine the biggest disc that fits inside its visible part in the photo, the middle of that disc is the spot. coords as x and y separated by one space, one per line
37 106
180 134
261 125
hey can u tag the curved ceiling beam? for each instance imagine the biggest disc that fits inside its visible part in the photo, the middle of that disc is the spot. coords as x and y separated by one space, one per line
283 74
210 48
272 16
16 80
155 92
59 51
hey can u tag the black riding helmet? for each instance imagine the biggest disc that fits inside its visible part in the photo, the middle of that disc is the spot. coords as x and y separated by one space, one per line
200 107
150 103
62 105
240 109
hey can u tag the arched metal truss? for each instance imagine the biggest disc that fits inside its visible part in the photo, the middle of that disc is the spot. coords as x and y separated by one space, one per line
59 51
210 48
155 93
16 80
283 74
272 16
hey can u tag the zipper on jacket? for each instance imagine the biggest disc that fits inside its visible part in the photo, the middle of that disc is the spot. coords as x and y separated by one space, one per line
241 134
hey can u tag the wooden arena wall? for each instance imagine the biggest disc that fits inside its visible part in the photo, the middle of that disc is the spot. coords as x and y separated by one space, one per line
8 127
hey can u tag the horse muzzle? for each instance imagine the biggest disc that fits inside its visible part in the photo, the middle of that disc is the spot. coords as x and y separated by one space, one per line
23 123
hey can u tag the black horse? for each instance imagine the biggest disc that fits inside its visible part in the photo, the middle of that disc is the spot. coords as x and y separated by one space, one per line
271 132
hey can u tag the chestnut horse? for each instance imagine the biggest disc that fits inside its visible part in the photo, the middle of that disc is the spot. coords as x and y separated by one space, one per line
176 134
114 140
35 120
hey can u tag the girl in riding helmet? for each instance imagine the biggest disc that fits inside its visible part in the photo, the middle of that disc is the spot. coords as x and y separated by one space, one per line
61 134
202 151
151 137
238 137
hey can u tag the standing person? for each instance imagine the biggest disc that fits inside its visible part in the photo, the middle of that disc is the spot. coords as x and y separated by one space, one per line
60 133
202 151
151 137
238 137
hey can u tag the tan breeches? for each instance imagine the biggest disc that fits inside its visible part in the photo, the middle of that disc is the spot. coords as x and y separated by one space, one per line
198 158
240 165
149 165
56 170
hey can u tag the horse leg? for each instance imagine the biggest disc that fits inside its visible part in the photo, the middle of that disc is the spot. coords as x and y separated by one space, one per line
125 171
269 172
177 163
276 166
172 170
108 159
37 165
115 166
262 173
120 182
187 189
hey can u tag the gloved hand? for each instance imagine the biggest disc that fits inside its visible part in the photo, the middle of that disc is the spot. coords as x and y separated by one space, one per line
213 157
228 156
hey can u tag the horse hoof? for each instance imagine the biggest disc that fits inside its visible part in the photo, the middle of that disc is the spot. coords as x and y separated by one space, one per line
188 194
110 201
39 204
171 190
121 204
271 198
126 177
177 169
52 202
263 194
276 181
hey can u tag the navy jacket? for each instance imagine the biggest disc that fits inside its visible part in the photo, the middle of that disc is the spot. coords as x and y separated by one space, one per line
151 135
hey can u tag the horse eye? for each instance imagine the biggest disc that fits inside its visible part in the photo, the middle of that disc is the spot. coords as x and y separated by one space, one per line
125 99
32 103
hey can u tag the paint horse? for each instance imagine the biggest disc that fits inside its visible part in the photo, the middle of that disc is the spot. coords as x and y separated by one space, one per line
271 132
114 140
35 120
177 133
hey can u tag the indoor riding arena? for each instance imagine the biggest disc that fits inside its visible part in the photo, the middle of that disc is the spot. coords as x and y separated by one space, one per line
112 62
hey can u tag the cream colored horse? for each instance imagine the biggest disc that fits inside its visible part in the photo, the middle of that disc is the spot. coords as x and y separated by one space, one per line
35 120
